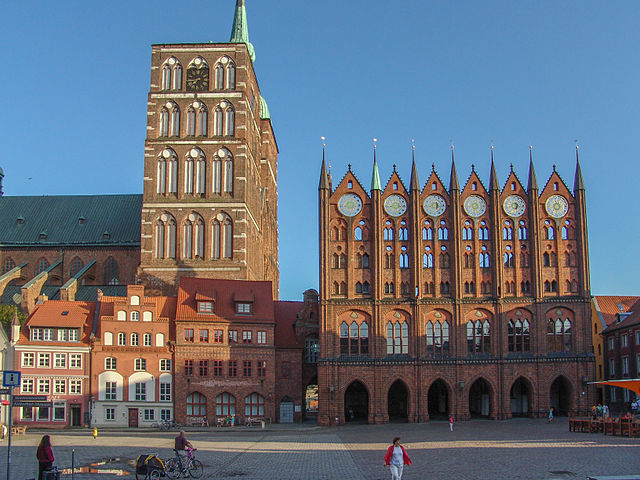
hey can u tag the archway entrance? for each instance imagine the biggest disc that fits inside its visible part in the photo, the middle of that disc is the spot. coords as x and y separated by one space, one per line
480 399
311 399
356 403
560 396
398 402
520 399
438 400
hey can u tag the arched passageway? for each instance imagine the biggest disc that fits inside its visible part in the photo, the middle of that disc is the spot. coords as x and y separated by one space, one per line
520 398
480 399
356 403
560 396
398 402
311 399
438 400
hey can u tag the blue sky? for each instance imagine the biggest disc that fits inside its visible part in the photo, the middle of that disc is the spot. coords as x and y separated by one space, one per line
76 77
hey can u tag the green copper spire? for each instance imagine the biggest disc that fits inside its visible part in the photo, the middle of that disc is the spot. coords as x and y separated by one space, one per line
240 29
375 178
264 109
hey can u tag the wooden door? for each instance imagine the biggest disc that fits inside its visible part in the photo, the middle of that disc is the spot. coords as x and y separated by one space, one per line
133 417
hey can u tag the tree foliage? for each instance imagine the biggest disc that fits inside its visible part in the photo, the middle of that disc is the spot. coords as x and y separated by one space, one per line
6 317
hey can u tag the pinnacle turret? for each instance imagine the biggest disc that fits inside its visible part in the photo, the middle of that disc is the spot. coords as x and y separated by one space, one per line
578 183
415 185
375 177
453 182
324 176
240 29
493 181
533 182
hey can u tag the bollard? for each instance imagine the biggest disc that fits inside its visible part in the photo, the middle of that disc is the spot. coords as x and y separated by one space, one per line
73 463
95 432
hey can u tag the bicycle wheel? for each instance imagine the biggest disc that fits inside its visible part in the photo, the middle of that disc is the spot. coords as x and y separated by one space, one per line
171 468
154 474
196 469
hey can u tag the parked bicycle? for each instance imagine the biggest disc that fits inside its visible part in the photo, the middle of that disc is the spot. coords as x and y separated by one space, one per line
184 466
165 425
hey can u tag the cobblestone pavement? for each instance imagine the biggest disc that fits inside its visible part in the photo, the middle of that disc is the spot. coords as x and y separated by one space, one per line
476 450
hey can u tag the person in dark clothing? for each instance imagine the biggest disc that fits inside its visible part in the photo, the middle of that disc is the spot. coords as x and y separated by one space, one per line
181 446
44 454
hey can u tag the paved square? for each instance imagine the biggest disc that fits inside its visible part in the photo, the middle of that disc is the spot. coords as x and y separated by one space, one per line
477 450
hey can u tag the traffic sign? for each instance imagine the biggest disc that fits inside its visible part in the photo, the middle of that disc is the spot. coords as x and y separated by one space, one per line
10 379
5 391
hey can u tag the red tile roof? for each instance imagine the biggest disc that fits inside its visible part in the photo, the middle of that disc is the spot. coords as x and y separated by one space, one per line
608 306
52 314
627 321
226 293
286 316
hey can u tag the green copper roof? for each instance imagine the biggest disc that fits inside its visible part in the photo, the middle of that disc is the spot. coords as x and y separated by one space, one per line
240 29
375 178
264 109
95 220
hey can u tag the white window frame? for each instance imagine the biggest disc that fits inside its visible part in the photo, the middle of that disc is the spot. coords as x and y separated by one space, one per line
624 341
60 360
62 335
165 414
140 365
75 360
59 386
122 339
74 335
140 391
612 368
41 358
42 383
165 391
110 363
149 414
36 334
261 337
109 414
30 382
165 365
47 334
146 340
75 387
625 365
28 360
110 390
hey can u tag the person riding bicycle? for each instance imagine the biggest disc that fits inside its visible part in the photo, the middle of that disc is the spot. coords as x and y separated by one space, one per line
181 447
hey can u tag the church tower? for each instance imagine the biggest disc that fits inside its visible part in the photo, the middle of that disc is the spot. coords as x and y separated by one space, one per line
210 170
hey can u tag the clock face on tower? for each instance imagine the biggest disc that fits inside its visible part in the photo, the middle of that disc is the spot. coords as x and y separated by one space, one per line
514 206
350 204
556 206
475 206
434 205
395 205
197 79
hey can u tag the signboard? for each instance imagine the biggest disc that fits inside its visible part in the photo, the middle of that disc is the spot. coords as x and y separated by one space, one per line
29 403
5 391
10 379
30 398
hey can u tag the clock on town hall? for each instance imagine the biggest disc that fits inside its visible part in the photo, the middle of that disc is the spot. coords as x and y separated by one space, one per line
556 206
475 206
395 205
514 206
434 205
350 204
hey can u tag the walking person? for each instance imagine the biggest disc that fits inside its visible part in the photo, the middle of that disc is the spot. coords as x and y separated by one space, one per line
44 454
551 412
396 458
451 423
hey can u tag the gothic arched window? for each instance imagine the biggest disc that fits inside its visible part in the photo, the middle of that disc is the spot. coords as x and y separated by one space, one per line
8 265
222 175
218 122
397 338
42 265
519 335
229 121
164 122
427 260
76 266
479 336
111 272
172 74
174 119
191 122
437 338
222 237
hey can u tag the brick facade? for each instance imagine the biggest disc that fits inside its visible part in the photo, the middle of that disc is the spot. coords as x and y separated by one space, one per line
437 308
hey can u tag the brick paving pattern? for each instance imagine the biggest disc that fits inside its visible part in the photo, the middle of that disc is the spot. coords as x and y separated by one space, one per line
476 450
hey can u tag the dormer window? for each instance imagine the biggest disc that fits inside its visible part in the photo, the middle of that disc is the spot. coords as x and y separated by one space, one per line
244 308
206 308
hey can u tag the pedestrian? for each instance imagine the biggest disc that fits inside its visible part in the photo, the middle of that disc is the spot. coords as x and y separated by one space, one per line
605 411
599 411
396 458
44 454
551 412
181 446
451 423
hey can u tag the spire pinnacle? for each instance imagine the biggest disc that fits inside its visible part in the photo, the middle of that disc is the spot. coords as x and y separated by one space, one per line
533 182
453 182
375 177
414 185
324 176
240 29
493 182
578 183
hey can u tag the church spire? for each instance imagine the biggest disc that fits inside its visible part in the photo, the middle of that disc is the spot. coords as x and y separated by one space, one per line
453 182
578 184
240 29
533 182
375 177
1 177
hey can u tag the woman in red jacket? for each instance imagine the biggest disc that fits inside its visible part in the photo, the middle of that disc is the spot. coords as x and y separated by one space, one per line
44 455
396 458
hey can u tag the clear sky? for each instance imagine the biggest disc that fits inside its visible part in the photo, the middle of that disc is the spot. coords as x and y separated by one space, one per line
75 79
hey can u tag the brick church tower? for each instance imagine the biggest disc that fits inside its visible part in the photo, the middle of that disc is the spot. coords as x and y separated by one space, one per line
438 301
210 171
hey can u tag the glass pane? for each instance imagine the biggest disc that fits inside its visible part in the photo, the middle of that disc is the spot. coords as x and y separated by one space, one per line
354 330
364 330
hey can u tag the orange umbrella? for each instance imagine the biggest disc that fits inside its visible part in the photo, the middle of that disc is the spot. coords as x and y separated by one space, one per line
631 384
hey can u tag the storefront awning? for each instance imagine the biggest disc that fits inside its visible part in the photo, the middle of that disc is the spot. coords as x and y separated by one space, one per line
631 384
